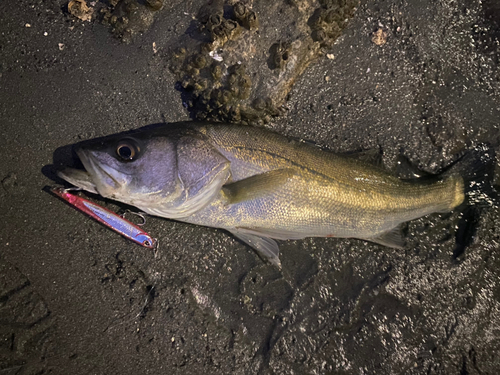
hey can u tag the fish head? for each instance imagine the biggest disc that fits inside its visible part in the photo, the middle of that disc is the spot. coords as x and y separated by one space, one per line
133 169
166 173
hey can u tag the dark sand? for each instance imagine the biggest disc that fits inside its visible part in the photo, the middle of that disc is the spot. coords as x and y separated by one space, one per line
76 298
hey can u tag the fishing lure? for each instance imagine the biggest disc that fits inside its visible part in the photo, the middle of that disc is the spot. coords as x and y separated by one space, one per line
108 218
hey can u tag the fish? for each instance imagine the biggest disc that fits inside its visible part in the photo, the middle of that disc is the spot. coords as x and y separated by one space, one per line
258 185
108 218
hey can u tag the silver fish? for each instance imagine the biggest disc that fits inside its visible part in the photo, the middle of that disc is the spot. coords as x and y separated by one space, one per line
258 185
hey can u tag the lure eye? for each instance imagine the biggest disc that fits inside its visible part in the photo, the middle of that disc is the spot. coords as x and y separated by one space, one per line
127 151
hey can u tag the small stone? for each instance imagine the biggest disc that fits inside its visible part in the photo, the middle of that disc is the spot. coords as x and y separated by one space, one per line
379 37
154 5
79 9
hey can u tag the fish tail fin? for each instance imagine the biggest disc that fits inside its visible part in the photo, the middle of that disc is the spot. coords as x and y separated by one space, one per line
476 167
473 176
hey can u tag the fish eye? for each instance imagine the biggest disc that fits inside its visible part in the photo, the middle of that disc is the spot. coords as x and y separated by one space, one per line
127 150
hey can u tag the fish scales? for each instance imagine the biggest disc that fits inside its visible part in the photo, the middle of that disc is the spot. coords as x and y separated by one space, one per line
331 189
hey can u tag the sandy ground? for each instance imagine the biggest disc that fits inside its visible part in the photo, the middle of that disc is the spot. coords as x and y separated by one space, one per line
76 298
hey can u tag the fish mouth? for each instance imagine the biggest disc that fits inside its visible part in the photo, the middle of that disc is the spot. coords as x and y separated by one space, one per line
95 178
78 178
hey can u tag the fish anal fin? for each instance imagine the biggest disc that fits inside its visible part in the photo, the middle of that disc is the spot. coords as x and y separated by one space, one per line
266 247
391 238
258 186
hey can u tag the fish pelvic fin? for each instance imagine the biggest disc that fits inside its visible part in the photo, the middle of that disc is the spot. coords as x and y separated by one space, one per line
267 248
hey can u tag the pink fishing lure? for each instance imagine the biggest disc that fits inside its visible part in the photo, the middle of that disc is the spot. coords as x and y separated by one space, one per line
108 218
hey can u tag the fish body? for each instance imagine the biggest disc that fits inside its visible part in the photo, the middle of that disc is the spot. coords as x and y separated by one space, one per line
257 184
291 189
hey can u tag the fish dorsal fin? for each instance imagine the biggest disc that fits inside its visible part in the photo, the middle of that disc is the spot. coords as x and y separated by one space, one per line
372 156
407 170
258 186
266 247
391 238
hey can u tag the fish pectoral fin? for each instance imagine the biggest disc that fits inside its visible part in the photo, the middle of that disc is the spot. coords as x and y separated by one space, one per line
391 238
266 247
258 186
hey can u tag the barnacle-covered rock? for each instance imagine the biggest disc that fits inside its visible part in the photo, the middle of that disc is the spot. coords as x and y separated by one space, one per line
130 17
243 57
245 16
279 54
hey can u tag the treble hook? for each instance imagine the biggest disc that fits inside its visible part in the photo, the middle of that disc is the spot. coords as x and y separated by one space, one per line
141 215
